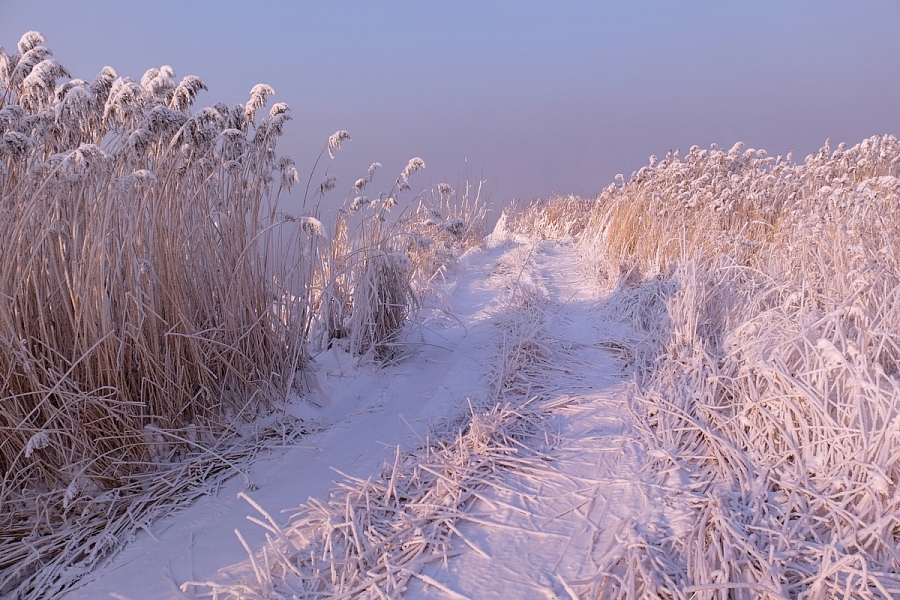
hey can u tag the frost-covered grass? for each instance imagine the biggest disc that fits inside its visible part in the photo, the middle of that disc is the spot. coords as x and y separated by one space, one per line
137 284
154 300
556 218
770 404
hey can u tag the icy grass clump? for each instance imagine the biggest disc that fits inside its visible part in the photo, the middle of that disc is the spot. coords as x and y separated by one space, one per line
556 218
446 223
770 412
378 270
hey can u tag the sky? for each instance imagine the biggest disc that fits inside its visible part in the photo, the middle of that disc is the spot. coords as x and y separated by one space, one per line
536 98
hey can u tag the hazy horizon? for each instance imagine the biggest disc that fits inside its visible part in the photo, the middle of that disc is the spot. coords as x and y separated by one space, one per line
538 99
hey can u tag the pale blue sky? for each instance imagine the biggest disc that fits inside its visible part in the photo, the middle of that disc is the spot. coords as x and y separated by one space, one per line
539 96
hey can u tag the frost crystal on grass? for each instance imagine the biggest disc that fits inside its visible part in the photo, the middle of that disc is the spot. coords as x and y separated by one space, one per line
38 441
415 164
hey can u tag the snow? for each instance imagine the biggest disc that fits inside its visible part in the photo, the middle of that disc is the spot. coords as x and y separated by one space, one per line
542 529
532 532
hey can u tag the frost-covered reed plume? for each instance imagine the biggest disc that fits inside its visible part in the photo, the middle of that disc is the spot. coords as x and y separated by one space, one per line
770 405
137 276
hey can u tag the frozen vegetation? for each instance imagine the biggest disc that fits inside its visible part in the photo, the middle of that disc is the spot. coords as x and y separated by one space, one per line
686 387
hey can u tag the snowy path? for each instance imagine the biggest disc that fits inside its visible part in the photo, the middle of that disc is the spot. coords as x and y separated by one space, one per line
540 528
544 529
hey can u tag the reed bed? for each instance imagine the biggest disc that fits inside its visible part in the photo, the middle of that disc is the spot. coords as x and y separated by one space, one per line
137 279
769 412
154 302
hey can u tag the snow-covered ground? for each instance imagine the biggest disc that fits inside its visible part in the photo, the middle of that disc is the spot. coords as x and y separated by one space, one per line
533 531
543 529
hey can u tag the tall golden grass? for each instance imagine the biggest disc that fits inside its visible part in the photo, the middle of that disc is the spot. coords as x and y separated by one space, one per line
769 397
136 283
153 299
